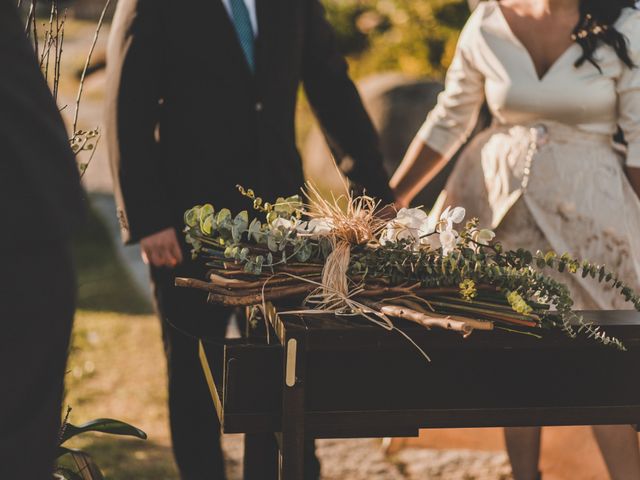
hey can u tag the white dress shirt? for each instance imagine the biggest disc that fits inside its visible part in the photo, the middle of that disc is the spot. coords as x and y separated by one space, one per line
251 6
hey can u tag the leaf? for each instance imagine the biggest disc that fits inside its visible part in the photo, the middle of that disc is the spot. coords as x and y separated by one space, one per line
236 233
192 216
271 217
304 252
281 205
207 225
224 214
242 220
272 243
103 425
255 230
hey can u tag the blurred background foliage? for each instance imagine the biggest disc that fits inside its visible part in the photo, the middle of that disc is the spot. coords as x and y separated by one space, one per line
415 37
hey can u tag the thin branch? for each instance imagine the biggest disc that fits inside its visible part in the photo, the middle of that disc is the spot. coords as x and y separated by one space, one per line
88 62
35 27
58 55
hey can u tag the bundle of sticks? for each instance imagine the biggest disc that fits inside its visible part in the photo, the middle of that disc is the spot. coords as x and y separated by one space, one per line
441 307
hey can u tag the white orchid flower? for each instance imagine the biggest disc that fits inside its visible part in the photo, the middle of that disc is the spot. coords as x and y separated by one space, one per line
320 226
448 236
282 222
450 217
483 236
449 241
410 224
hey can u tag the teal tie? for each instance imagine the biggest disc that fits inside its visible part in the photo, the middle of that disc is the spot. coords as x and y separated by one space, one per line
244 29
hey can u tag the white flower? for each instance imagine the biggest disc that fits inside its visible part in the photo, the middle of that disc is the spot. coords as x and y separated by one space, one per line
448 240
448 236
316 227
320 226
483 236
282 222
449 217
410 224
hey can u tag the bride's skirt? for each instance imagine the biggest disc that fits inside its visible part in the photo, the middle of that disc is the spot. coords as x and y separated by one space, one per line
550 186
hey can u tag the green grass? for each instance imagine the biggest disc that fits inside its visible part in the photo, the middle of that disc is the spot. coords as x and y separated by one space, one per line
103 282
117 370
116 365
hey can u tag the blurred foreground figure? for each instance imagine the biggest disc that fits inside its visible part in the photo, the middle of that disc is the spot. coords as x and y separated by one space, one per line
40 204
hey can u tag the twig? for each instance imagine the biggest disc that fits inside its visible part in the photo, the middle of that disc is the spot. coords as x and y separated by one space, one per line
87 63
58 56
466 327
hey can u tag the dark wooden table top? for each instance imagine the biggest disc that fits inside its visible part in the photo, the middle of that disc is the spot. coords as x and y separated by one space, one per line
336 332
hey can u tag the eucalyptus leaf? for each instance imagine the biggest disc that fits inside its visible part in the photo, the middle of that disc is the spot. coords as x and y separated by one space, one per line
192 216
207 224
223 215
242 220
272 243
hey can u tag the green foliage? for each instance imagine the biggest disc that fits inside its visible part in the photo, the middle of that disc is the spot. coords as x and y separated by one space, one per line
102 425
414 36
83 465
222 237
490 283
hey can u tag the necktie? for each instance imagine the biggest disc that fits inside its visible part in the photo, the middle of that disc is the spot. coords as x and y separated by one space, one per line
244 29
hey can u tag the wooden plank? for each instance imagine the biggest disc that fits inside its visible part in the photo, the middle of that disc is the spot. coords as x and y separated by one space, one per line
471 378
213 389
349 332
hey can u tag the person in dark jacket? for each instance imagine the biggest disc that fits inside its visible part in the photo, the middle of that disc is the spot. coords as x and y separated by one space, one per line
202 97
41 204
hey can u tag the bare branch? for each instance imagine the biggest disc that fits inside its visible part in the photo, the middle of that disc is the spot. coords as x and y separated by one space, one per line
88 62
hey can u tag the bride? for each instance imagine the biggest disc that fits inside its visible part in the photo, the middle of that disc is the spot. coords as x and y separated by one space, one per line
560 77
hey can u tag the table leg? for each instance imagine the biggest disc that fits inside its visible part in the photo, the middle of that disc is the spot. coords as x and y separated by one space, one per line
260 457
291 440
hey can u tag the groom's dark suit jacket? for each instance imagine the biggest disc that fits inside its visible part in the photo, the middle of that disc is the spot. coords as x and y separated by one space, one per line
187 120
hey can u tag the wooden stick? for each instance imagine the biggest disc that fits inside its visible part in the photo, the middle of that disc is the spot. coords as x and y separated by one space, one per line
466 327
229 298
233 283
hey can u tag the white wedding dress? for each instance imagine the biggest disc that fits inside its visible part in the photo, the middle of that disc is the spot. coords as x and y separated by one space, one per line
545 175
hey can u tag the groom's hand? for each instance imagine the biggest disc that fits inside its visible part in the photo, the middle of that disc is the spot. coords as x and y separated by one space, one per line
161 249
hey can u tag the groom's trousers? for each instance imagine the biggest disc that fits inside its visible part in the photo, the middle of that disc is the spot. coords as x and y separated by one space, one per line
195 429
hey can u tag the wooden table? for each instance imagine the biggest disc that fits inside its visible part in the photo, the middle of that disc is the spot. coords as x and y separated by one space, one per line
342 377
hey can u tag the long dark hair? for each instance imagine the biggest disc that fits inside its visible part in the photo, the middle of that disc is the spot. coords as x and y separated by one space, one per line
596 26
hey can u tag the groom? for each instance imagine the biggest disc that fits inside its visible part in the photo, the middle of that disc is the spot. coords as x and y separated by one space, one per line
202 97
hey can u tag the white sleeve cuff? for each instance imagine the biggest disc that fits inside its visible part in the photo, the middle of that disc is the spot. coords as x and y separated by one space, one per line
442 140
